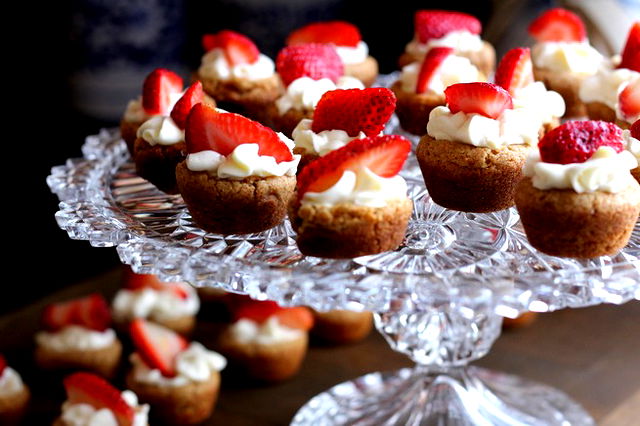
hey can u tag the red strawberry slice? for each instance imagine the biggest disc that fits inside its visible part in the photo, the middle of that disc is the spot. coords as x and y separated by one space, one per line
354 110
3 364
558 24
158 346
383 155
340 33
629 100
238 48
157 88
577 141
434 24
486 99
631 51
430 65
635 129
515 69
134 281
91 311
87 388
313 60
222 132
260 311
192 96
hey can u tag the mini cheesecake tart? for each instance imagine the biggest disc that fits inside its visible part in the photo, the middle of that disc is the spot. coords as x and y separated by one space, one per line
352 202
456 30
237 75
578 198
562 56
341 326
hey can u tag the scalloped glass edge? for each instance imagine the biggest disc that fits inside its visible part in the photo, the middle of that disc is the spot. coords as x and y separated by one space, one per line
87 212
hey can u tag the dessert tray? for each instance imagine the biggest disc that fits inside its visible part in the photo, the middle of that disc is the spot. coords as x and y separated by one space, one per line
439 298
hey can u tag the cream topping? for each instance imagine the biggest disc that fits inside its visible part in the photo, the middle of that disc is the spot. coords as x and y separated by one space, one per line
87 415
215 66
160 130
10 382
547 105
154 304
606 84
575 57
512 127
74 337
606 171
460 41
353 55
244 161
323 142
305 92
362 187
270 332
454 69
194 364
632 144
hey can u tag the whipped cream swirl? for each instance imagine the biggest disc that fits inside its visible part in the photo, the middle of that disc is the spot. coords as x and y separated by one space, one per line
10 382
215 66
195 364
154 304
304 93
270 332
545 105
460 41
135 113
353 55
87 415
575 57
512 127
323 142
606 171
160 130
605 85
362 187
454 69
74 337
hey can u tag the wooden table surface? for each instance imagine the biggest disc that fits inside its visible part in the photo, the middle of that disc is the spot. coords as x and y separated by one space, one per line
593 354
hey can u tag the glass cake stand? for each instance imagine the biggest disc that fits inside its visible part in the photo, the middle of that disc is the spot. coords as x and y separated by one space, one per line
439 298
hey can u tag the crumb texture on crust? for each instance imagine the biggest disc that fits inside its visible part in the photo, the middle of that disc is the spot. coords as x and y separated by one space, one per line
366 71
347 230
285 123
561 222
600 111
157 163
243 91
14 406
180 405
104 361
341 326
467 178
413 109
269 363
227 206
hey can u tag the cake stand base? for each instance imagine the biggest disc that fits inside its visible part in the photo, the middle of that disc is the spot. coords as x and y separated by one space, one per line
462 396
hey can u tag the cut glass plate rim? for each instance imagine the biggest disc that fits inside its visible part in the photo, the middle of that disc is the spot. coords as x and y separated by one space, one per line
88 212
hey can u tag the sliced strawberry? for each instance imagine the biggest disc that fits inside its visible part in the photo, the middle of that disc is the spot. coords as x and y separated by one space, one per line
313 60
91 311
223 132
631 51
558 24
629 100
260 311
383 155
635 129
238 48
134 281
515 69
577 141
3 364
340 33
430 65
88 388
192 96
354 110
434 24
158 346
157 88
481 98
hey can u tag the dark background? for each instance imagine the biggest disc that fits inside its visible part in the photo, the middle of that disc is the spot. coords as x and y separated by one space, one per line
49 49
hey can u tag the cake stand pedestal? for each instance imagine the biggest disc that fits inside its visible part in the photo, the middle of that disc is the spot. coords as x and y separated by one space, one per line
439 298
